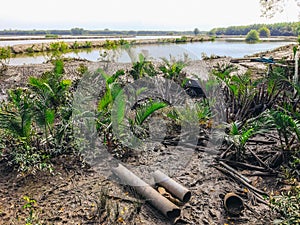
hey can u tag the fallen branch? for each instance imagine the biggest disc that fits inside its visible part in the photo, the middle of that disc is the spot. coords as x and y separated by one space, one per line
235 172
254 189
256 192
262 142
261 174
262 162
244 165
222 156
125 199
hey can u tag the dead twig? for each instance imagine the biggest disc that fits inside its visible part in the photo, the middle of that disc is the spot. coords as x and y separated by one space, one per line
235 172
255 190
222 156
262 162
129 200
265 142
244 165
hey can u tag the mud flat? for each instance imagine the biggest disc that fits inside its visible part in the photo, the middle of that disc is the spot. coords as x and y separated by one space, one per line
73 193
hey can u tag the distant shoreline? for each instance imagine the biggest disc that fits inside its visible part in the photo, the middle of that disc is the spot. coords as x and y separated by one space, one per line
43 37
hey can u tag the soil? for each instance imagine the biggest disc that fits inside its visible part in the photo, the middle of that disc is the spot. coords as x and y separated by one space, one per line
72 195
75 193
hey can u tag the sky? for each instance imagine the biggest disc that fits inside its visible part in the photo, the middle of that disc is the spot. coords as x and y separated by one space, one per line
136 14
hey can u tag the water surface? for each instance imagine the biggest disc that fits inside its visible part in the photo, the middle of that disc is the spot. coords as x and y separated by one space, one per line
194 51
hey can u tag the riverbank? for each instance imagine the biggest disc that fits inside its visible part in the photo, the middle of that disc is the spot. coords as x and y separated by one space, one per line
104 43
17 75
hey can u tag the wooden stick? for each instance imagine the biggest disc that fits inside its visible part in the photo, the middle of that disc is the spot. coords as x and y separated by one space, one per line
254 189
262 141
235 172
249 186
244 165
262 162
222 156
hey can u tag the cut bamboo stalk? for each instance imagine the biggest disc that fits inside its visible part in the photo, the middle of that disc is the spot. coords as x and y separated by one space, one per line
170 210
176 189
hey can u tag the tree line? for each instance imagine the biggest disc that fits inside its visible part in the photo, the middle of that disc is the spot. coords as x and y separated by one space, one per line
276 29
81 31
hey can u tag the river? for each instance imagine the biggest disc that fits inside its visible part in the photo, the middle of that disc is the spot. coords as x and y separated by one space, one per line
194 51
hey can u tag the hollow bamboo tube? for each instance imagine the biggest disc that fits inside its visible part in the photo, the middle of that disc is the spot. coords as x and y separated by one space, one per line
169 209
176 189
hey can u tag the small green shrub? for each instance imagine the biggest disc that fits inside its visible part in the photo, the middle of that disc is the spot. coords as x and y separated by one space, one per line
172 69
87 44
142 68
57 49
110 44
59 46
75 45
35 121
287 127
82 69
183 39
264 32
123 42
5 55
51 36
252 36
288 204
30 207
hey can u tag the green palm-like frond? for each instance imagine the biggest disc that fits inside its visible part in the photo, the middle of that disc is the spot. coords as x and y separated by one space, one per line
148 109
16 115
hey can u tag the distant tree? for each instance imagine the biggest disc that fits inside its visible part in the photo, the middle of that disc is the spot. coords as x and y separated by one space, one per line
213 31
264 32
252 36
276 29
131 32
77 31
196 31
271 7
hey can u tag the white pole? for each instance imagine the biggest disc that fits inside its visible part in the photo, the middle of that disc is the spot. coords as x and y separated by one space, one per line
296 75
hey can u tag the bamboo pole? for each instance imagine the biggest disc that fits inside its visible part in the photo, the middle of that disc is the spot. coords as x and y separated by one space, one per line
170 210
176 189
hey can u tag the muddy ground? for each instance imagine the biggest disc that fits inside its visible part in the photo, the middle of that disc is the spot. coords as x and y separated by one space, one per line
79 194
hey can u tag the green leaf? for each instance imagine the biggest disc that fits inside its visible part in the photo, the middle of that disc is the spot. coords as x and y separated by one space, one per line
59 66
114 77
145 111
105 100
120 103
234 129
246 135
141 58
49 116
66 82
141 90
115 90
